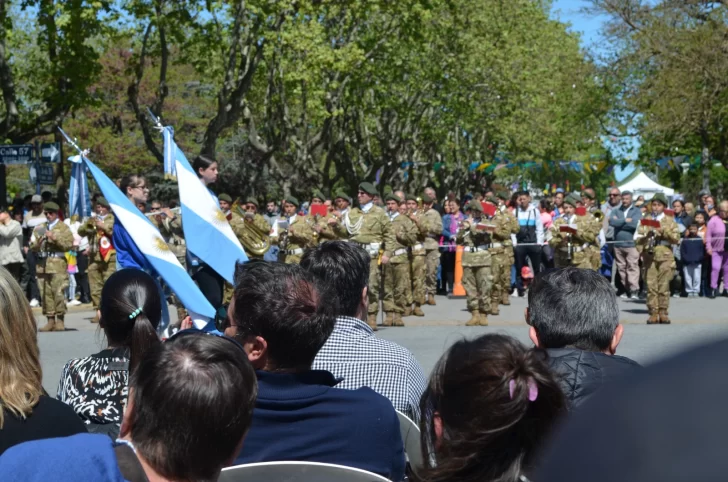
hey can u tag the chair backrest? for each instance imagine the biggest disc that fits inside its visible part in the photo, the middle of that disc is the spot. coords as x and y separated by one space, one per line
298 472
410 433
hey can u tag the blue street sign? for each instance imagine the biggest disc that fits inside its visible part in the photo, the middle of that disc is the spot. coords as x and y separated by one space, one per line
18 154
50 152
45 174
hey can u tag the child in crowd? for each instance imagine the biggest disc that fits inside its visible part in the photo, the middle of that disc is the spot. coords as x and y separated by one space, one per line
692 253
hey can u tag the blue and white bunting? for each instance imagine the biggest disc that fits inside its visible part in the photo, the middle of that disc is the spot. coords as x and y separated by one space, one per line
170 167
79 200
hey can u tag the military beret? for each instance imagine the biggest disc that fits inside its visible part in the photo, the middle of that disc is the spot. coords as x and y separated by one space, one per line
51 207
291 200
410 197
659 197
571 200
393 197
368 188
503 195
387 190
344 196
426 198
252 200
317 194
101 201
587 194
474 205
492 200
225 197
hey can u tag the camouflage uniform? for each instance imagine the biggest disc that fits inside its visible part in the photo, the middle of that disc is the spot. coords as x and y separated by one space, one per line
477 263
418 268
299 236
171 231
501 289
52 272
397 271
431 227
659 265
99 268
240 226
584 237
331 232
593 250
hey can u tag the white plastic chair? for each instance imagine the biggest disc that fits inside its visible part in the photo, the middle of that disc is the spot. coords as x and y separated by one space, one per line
410 433
297 472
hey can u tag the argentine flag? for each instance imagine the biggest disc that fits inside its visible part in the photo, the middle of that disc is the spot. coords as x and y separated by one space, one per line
207 232
79 201
155 249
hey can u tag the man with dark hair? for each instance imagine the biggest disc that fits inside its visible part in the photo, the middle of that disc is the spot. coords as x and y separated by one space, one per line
353 352
574 316
529 238
286 315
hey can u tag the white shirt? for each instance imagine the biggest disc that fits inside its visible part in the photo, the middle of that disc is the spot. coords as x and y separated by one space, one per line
367 207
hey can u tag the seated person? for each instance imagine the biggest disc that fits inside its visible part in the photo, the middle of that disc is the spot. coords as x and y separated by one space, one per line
490 405
574 316
285 316
97 386
190 404
26 411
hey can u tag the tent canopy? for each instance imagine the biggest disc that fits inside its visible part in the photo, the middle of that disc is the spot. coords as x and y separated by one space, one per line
640 184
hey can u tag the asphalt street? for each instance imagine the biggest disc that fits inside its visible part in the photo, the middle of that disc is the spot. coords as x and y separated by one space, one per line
695 321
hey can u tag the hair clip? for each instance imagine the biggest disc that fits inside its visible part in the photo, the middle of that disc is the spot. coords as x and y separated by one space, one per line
532 389
135 313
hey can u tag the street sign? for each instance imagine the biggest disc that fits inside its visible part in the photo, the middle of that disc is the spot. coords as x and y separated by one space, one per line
46 174
50 152
19 154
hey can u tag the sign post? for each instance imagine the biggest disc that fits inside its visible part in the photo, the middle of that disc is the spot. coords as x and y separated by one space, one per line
12 154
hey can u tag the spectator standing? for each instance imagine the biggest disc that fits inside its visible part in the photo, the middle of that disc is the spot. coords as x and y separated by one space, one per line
489 406
574 316
624 220
286 316
701 219
692 251
558 201
683 221
530 238
353 353
716 246
703 196
690 209
271 212
450 223
710 206
26 412
96 387
11 244
547 258
32 220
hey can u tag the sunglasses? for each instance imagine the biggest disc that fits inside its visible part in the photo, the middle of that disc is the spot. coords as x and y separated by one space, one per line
198 332
614 195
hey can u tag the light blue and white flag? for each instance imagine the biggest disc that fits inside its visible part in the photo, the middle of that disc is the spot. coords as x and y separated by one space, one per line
170 168
151 244
79 200
208 234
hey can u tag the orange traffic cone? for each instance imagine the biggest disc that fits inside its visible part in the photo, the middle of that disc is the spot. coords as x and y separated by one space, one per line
457 290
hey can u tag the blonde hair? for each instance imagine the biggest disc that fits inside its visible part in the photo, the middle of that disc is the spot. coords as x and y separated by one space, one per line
20 371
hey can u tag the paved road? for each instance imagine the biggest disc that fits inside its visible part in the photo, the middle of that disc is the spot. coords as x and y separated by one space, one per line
694 321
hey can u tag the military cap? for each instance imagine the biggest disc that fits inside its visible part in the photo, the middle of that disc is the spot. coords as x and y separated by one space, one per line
493 200
410 197
474 205
344 196
587 194
387 190
502 195
252 200
226 198
659 197
51 207
368 188
392 197
426 198
571 200
317 194
291 200
101 201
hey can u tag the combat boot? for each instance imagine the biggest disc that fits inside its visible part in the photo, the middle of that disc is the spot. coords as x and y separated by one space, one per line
372 322
653 319
407 311
95 318
49 325
664 318
483 320
389 319
431 300
494 310
418 311
505 300
59 326
398 320
474 318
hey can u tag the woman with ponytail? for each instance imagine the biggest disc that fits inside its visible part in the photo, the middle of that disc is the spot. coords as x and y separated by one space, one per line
489 405
96 386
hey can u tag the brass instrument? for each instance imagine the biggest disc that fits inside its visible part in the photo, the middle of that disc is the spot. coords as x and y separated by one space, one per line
253 239
569 248
598 215
420 204
651 241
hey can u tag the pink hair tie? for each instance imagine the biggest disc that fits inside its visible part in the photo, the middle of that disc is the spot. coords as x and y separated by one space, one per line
532 389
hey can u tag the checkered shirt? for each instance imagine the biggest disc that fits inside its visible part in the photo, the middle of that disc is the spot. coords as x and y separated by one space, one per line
355 355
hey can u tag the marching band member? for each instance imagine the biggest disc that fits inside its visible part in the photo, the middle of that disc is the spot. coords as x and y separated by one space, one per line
571 246
397 271
292 233
102 255
418 259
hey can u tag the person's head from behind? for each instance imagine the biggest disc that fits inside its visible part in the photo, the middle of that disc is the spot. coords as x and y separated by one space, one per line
574 308
20 371
286 315
545 206
190 405
130 310
488 407
345 266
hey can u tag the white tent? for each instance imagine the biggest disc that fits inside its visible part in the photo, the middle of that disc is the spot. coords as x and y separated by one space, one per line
640 184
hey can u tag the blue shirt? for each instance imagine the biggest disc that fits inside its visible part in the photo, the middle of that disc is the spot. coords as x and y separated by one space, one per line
303 417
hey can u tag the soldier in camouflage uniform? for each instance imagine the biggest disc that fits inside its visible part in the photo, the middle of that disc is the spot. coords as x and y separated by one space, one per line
292 233
418 263
245 225
475 237
502 284
370 228
51 241
500 264
99 230
396 272
431 226
169 225
594 252
655 245
584 237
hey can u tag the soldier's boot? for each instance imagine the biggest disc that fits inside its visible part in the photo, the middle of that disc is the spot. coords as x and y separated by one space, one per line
505 299
372 321
389 319
431 300
483 321
664 318
59 326
474 318
407 311
653 319
49 325
398 320
418 311
96 317
494 310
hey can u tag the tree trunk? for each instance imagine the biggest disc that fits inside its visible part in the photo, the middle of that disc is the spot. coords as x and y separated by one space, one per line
706 167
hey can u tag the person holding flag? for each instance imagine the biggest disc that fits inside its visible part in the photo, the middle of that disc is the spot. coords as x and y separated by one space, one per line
134 186
102 254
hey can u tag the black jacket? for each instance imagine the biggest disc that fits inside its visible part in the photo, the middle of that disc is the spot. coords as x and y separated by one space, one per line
581 373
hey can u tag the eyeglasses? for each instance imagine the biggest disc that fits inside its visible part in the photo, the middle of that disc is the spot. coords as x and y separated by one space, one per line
614 195
195 331
143 188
